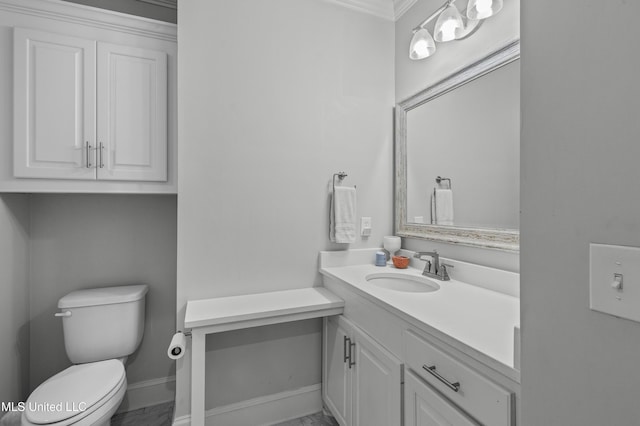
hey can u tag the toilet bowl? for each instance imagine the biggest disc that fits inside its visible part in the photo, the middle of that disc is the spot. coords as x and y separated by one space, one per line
101 328
85 394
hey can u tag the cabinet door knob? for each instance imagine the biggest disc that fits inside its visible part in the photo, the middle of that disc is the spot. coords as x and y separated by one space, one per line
432 370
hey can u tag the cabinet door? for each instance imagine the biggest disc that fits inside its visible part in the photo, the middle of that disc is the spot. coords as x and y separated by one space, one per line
54 104
376 384
132 113
336 383
423 406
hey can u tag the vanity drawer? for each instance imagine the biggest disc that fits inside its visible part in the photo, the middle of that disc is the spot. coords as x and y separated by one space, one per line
490 404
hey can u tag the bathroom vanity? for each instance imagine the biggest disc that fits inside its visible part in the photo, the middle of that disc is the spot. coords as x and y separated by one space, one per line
402 354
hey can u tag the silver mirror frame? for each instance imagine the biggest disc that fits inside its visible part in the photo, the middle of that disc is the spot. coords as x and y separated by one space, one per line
499 239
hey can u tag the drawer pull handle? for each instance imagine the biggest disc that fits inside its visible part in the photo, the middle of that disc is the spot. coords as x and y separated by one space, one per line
352 362
432 370
345 345
101 164
87 153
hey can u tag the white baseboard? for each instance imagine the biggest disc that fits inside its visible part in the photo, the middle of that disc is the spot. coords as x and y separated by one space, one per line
148 393
265 410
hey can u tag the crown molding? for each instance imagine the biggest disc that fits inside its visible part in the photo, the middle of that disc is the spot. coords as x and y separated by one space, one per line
171 4
100 18
401 6
380 8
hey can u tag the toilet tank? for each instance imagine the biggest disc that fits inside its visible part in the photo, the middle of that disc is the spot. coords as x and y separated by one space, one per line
102 323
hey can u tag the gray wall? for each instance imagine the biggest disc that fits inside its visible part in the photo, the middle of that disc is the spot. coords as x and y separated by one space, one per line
580 177
133 7
274 98
82 241
414 76
14 301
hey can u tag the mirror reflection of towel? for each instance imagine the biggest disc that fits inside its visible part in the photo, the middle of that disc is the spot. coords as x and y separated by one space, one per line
442 207
342 221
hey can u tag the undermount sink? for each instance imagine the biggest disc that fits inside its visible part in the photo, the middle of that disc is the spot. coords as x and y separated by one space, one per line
402 282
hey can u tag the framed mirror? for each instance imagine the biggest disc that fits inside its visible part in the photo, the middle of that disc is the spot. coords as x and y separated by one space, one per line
457 156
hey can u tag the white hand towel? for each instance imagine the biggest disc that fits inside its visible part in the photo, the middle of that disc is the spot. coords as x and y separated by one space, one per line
342 223
443 206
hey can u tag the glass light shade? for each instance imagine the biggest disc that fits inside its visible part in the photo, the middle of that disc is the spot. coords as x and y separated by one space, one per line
482 9
422 45
449 25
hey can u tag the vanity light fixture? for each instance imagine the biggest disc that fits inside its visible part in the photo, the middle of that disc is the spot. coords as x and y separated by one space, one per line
450 25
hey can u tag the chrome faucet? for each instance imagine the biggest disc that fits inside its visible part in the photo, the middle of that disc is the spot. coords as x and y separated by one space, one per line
433 268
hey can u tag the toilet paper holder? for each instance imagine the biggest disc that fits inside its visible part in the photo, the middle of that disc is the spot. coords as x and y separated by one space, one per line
178 344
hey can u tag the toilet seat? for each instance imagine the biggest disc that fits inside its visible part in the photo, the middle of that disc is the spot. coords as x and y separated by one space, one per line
76 393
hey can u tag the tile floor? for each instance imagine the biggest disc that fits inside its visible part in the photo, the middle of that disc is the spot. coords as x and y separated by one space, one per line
158 415
317 419
162 415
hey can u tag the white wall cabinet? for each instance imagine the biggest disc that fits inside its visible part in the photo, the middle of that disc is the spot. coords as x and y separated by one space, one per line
88 100
362 381
63 83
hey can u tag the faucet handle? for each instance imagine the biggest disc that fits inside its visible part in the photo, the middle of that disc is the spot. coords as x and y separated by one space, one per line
443 270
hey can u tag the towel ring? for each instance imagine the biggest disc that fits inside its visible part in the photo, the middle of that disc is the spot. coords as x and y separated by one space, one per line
341 176
439 180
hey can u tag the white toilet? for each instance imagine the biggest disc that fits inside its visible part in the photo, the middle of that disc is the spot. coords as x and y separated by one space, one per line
102 326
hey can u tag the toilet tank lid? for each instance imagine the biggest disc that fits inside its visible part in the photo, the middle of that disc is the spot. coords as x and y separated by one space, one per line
103 296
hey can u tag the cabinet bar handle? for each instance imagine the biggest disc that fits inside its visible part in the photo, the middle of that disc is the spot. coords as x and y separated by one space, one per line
344 349
87 156
101 162
352 362
432 370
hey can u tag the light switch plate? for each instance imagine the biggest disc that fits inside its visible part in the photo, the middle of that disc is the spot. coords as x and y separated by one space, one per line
611 267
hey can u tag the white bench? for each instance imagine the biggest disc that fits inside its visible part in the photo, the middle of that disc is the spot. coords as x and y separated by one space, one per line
220 314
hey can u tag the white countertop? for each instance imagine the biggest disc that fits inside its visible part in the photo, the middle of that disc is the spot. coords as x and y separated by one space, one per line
237 311
474 316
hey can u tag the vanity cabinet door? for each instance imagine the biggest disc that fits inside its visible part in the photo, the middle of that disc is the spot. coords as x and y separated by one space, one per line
362 383
132 113
423 406
54 100
336 381
376 384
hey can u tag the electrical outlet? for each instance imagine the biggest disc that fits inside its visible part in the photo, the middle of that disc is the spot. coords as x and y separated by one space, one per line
365 226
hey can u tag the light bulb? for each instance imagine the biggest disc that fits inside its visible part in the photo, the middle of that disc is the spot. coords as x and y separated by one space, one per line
482 9
421 48
448 30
